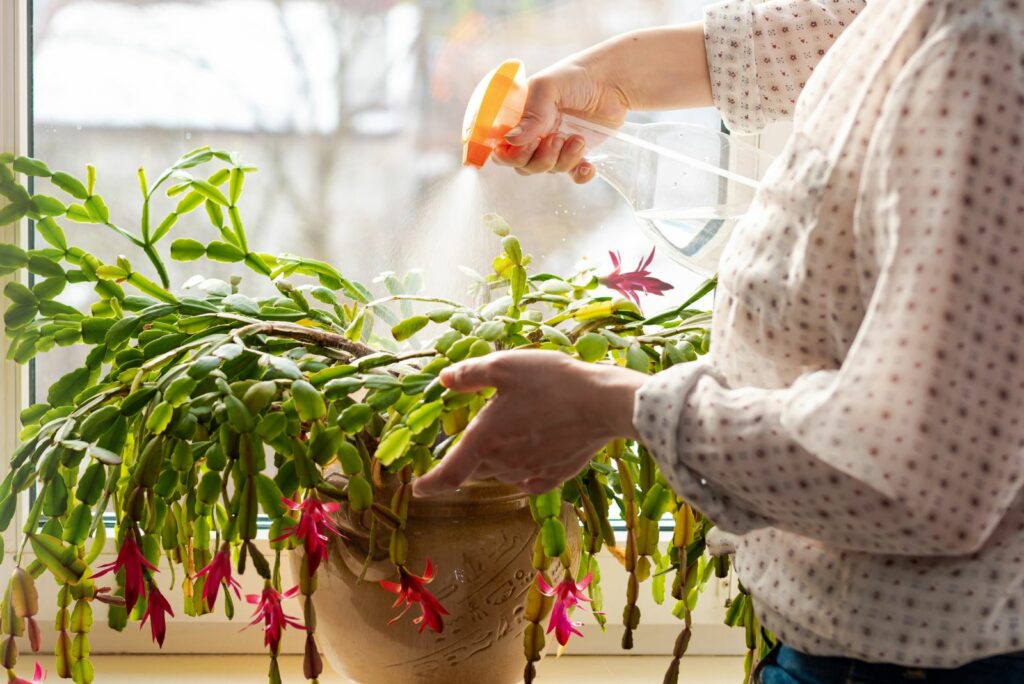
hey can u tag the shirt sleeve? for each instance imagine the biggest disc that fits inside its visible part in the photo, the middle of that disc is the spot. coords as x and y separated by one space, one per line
760 54
915 445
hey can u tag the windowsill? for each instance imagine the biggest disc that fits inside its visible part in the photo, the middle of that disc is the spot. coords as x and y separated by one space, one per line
174 669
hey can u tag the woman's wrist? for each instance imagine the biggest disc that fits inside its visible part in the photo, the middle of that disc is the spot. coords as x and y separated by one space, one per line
614 392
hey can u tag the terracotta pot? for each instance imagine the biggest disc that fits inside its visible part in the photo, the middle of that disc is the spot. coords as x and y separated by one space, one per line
480 540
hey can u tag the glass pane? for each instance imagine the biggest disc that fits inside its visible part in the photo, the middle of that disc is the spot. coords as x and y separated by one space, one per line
351 109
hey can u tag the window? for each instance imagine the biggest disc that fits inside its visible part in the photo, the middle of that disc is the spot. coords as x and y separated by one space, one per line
351 109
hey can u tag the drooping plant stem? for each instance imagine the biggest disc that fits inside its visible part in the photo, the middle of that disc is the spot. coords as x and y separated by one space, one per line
682 536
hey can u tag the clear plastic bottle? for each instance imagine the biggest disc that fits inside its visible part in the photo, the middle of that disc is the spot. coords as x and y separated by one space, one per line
688 185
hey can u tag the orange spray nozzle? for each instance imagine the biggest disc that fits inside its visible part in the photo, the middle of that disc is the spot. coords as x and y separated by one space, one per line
496 106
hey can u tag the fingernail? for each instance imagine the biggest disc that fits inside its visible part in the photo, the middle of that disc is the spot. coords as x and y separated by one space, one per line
585 171
518 130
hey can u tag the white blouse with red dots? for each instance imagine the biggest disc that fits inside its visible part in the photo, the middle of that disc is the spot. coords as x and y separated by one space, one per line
857 431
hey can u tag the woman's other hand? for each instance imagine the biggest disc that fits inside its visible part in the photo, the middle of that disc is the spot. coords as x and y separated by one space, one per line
551 414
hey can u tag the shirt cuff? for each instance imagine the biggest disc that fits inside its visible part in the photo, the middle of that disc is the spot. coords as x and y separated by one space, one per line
663 408
729 42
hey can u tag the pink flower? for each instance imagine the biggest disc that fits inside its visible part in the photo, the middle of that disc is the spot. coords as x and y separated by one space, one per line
568 594
38 677
157 609
217 571
629 285
270 612
412 590
131 560
312 528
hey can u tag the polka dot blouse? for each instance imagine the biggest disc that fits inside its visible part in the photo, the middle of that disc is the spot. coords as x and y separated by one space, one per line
858 429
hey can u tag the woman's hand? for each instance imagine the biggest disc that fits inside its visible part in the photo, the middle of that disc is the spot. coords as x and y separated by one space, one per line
659 68
550 416
575 86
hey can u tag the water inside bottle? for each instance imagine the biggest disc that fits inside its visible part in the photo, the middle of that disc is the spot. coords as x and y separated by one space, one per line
688 185
694 236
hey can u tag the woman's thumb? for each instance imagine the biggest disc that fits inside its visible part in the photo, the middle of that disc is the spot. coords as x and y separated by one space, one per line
468 376
540 115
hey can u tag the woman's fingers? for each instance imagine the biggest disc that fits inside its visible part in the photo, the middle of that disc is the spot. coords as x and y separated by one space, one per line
455 469
458 464
571 155
516 156
546 156
502 472
583 173
554 153
549 417
535 157
471 376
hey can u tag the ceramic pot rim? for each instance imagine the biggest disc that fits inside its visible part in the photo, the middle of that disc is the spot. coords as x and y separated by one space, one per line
486 498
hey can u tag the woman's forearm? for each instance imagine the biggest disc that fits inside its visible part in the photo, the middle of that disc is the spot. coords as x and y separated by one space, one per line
657 68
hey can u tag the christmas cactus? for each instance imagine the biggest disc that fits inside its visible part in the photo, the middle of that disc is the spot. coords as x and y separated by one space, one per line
201 411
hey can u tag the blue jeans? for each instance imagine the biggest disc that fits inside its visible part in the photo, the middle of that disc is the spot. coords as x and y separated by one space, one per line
786 666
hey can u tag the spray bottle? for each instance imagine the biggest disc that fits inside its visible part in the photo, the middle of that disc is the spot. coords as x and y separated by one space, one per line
666 171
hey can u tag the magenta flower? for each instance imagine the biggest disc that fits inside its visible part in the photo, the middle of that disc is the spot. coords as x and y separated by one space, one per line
131 560
157 609
217 571
270 612
568 594
630 284
412 590
312 528
38 677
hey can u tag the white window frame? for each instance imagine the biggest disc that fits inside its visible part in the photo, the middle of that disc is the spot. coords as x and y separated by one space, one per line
13 138
214 634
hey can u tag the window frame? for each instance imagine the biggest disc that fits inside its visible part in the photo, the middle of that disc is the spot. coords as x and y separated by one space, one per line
14 129
215 634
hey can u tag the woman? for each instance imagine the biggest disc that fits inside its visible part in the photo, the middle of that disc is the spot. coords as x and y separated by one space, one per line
859 425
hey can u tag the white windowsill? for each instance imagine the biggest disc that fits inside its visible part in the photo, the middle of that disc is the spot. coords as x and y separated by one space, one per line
566 670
